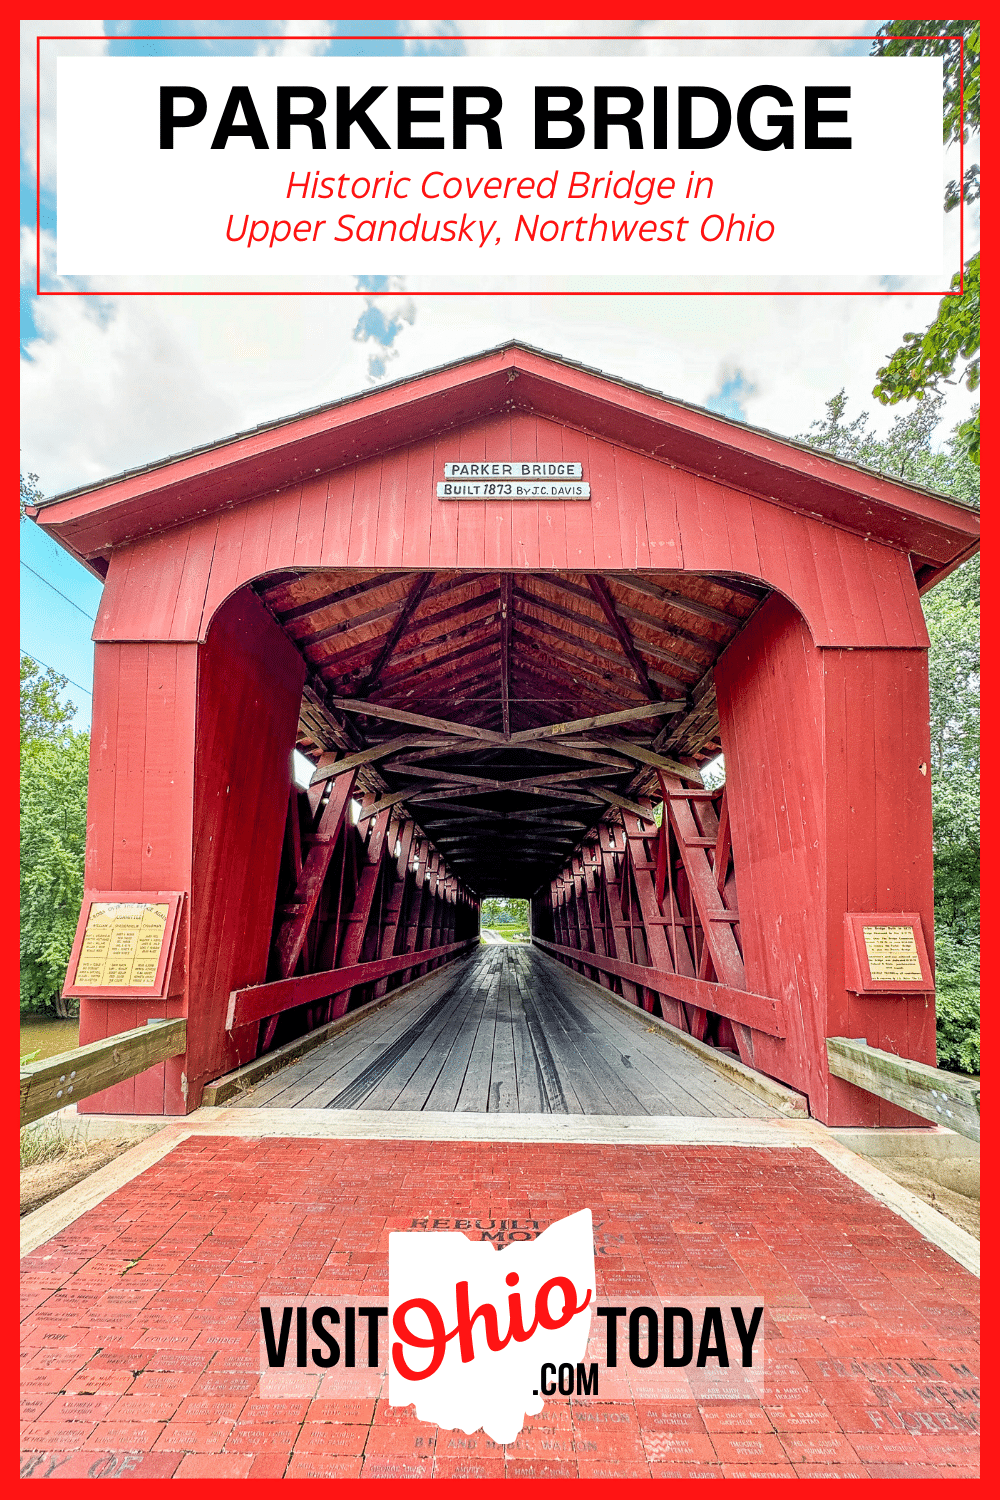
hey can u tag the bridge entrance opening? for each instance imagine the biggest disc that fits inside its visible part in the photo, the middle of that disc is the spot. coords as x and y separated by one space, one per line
475 734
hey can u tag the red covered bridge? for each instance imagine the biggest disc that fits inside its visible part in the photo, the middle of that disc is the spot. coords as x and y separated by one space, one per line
511 689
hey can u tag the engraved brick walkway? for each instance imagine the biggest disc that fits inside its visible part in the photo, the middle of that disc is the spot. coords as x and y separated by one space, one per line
140 1332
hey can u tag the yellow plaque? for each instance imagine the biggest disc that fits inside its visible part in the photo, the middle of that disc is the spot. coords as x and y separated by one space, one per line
121 946
892 954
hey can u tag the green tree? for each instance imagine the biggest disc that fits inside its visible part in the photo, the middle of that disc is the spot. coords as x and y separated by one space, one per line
952 614
504 911
43 714
951 610
907 452
54 766
53 835
926 361
30 493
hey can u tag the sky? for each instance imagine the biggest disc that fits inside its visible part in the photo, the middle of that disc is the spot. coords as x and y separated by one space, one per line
109 381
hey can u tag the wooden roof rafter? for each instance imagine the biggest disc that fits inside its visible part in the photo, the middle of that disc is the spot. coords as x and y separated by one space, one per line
604 632
468 633
348 624
571 671
471 721
614 658
270 587
485 642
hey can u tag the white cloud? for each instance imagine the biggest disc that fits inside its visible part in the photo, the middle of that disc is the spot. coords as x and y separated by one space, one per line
801 350
30 72
116 381
113 382
687 38
298 39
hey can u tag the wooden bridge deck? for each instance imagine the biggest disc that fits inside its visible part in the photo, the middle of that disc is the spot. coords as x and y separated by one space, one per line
510 1031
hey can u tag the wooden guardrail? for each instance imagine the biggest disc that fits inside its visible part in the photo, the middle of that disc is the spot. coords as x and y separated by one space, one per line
762 1012
258 1002
53 1082
946 1098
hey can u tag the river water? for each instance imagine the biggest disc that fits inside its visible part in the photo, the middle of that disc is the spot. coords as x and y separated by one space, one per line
47 1035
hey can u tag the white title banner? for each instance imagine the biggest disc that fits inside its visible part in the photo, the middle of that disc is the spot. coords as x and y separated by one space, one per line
464 167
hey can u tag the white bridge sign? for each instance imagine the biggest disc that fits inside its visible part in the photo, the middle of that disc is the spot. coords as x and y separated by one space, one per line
519 479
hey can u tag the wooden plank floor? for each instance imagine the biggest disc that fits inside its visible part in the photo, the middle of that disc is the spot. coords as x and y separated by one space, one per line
508 1030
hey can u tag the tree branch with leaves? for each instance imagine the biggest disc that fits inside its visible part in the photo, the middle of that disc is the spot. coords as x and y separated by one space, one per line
946 353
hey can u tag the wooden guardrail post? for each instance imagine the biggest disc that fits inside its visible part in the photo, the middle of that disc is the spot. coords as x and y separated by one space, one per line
54 1082
946 1098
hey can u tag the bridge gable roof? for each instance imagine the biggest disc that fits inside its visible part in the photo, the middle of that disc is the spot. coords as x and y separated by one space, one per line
93 520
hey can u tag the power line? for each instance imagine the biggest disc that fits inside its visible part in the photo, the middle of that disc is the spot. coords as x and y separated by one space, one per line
60 593
45 664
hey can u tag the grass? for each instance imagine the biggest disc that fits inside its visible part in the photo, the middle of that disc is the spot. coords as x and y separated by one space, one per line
512 931
45 1141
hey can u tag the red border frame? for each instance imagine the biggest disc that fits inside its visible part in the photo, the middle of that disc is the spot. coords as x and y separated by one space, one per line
514 37
160 988
859 974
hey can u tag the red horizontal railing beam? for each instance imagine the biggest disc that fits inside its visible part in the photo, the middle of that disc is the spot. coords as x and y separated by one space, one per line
259 1001
760 1012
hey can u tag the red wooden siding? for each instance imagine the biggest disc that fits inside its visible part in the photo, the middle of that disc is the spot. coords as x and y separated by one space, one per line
139 827
249 691
879 843
95 521
384 513
190 772
830 813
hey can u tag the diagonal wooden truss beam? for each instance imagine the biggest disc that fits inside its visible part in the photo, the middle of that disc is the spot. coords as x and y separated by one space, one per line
604 598
600 628
494 737
598 653
478 777
298 913
650 758
596 721
558 850
413 598
596 755
596 797
589 794
577 591
420 721
328 766
396 902
360 914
